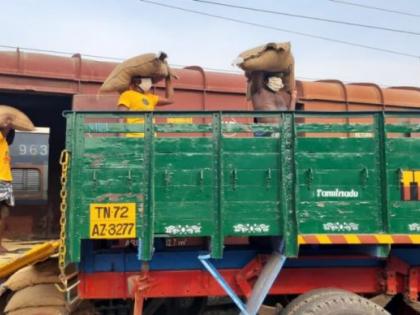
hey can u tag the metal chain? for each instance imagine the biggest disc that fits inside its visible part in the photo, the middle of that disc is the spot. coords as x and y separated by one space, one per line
64 162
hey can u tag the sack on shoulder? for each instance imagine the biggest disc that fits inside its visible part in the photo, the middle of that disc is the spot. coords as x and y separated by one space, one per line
146 65
15 118
271 57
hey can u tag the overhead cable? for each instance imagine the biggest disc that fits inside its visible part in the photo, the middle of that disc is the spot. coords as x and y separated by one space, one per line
324 38
375 8
307 17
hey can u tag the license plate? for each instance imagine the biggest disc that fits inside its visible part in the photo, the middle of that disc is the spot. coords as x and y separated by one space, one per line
112 220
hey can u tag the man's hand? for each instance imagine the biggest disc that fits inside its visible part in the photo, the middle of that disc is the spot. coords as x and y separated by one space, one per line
162 56
10 136
169 93
293 97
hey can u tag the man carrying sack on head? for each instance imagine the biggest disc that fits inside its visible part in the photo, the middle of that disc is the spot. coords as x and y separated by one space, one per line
10 119
134 79
139 98
271 76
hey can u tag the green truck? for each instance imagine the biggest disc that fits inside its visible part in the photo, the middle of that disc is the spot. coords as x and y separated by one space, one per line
320 185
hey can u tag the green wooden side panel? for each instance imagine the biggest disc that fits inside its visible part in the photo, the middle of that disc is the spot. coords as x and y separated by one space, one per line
251 186
184 186
403 154
214 184
337 186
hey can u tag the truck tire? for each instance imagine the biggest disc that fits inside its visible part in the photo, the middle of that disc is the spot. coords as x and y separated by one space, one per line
302 300
341 304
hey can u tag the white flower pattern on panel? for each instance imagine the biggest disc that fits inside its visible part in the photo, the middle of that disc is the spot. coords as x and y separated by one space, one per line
183 229
414 227
251 228
340 226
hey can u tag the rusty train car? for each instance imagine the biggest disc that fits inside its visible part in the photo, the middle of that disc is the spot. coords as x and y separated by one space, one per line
44 86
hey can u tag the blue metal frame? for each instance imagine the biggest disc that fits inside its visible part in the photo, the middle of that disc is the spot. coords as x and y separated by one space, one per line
205 260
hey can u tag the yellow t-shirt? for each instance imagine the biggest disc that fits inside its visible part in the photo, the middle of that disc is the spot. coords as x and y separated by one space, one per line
136 101
5 168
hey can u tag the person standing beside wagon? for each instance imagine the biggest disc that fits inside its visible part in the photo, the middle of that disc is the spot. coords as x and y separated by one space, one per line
10 119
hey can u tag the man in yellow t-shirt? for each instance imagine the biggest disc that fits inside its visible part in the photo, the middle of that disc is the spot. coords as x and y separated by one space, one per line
138 98
6 191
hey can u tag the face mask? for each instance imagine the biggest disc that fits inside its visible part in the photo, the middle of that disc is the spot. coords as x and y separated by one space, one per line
145 84
275 84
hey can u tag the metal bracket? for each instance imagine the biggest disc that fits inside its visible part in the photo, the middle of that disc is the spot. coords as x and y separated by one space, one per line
70 291
266 278
268 179
205 260
364 176
234 178
167 178
201 179
309 177
94 178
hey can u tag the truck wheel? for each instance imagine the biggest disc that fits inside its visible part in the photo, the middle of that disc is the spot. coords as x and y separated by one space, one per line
341 304
302 300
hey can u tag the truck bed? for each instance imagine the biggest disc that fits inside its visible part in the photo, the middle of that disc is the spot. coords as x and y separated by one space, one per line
307 178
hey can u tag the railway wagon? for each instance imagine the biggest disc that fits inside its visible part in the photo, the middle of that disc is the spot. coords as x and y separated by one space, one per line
208 208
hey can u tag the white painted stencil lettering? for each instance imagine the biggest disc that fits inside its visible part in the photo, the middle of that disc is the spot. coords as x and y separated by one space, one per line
183 229
251 228
340 226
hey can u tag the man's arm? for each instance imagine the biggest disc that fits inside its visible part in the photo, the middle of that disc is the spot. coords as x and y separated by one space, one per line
122 108
10 136
169 93
293 97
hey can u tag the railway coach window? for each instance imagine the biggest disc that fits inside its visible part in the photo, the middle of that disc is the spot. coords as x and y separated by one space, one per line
26 179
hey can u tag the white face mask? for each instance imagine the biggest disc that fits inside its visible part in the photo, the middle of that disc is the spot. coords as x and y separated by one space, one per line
275 84
145 84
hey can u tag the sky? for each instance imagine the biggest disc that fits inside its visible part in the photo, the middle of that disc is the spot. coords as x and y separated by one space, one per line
125 28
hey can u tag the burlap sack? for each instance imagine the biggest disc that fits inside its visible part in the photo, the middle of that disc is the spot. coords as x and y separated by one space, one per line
36 296
16 119
147 65
43 310
272 57
42 273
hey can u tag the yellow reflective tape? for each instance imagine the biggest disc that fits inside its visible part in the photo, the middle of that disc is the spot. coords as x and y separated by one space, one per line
179 120
417 177
407 178
415 239
301 240
352 239
384 239
323 239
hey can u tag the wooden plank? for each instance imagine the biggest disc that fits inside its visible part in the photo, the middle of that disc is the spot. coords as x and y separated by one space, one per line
183 160
176 145
251 160
263 177
335 160
334 128
248 145
342 145
328 176
183 193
